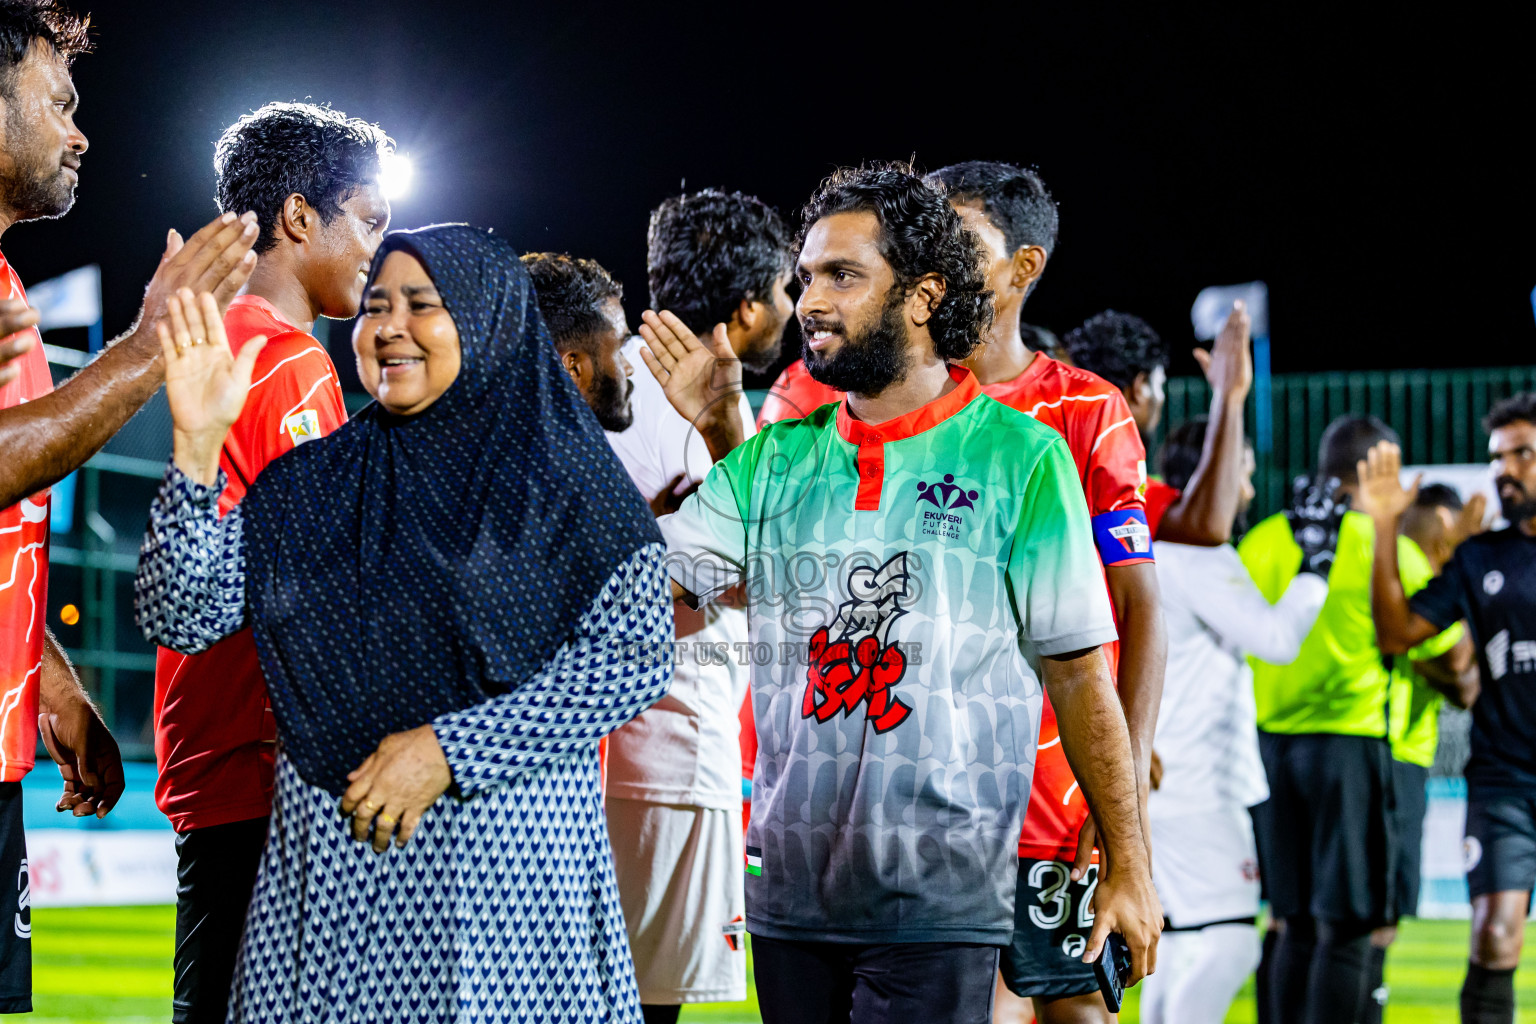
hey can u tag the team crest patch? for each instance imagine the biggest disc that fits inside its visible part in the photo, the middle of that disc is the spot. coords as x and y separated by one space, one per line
947 500
303 426
1471 853
1493 583
854 662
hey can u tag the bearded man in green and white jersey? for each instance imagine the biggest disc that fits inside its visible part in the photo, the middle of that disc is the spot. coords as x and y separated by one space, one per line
918 562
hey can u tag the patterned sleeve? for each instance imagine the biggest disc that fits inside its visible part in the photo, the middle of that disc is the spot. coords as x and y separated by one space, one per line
189 592
618 665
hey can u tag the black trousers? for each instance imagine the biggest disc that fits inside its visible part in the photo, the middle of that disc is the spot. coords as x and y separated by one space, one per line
215 873
895 983
15 906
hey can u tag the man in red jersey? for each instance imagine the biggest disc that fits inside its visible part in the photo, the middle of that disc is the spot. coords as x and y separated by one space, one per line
311 176
46 433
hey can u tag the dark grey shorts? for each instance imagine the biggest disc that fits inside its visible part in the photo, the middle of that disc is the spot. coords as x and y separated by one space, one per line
1500 844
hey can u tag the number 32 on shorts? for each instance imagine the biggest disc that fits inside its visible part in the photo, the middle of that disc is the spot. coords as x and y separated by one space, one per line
1051 883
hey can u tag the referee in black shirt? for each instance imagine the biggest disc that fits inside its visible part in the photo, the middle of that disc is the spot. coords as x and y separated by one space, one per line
1491 583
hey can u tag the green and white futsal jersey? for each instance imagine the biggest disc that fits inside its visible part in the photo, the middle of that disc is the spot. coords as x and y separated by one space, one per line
903 580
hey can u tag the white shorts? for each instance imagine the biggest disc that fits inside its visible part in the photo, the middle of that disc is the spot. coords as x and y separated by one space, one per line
680 873
1206 866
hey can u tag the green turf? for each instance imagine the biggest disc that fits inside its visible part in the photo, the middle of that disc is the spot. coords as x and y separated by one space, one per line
114 965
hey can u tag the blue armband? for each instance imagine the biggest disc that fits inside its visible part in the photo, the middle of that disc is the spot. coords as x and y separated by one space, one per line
1123 537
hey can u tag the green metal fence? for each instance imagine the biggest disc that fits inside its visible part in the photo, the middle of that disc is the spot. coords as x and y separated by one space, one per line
1438 413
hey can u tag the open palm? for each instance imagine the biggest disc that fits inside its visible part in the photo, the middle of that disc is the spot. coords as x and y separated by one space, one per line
1382 494
205 383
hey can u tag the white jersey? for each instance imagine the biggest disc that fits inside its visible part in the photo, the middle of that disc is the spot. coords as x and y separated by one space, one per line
687 748
1207 737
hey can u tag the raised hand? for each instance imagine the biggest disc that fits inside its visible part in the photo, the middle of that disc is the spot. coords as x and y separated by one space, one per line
218 260
702 379
205 384
1228 366
1472 519
15 317
1382 495
697 376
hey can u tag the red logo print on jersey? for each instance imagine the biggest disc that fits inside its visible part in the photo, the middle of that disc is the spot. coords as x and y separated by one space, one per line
853 661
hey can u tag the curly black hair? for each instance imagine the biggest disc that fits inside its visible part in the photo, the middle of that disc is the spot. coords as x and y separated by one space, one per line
571 293
1116 346
1016 201
920 234
709 250
286 148
1519 408
23 21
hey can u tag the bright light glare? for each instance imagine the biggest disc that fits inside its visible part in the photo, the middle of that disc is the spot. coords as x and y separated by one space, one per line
395 172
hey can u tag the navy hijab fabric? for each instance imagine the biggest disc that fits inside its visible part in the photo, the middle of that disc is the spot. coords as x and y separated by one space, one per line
406 567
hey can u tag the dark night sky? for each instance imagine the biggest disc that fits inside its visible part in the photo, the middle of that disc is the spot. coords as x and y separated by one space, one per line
1370 172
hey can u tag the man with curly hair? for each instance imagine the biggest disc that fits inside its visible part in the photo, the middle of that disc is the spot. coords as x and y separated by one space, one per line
918 563
311 176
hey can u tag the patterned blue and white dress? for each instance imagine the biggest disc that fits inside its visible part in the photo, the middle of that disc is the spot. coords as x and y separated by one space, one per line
502 906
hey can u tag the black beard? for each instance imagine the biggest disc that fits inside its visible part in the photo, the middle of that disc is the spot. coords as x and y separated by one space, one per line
870 363
31 189
610 402
764 358
1517 510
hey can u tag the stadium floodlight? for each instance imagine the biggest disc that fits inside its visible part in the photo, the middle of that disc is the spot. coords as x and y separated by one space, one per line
395 172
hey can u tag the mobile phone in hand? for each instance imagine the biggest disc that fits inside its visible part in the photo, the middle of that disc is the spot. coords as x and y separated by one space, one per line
1112 968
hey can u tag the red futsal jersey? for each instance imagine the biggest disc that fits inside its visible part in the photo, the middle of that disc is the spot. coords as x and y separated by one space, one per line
23 576
215 736
1091 414
1160 498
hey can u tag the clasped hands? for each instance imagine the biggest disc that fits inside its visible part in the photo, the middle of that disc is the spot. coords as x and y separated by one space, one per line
393 788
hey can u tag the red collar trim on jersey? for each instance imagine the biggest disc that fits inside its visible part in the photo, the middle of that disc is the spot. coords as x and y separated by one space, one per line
915 422
871 438
266 307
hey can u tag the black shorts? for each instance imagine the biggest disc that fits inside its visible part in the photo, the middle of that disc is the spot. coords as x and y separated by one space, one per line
1052 920
1500 844
1408 823
15 906
1326 838
891 983
215 872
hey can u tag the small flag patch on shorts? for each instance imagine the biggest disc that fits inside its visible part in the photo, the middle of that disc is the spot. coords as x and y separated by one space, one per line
754 860
733 931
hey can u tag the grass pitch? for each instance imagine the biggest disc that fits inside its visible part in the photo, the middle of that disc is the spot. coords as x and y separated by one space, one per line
113 965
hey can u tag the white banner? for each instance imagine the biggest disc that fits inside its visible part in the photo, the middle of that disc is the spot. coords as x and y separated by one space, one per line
74 867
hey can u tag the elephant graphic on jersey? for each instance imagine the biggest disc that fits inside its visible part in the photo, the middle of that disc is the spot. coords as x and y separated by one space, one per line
854 661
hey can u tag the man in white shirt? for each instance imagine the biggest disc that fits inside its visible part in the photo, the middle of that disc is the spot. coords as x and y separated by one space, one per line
1207 772
720 262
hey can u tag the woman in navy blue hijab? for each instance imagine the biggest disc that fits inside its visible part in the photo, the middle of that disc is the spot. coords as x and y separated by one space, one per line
454 597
